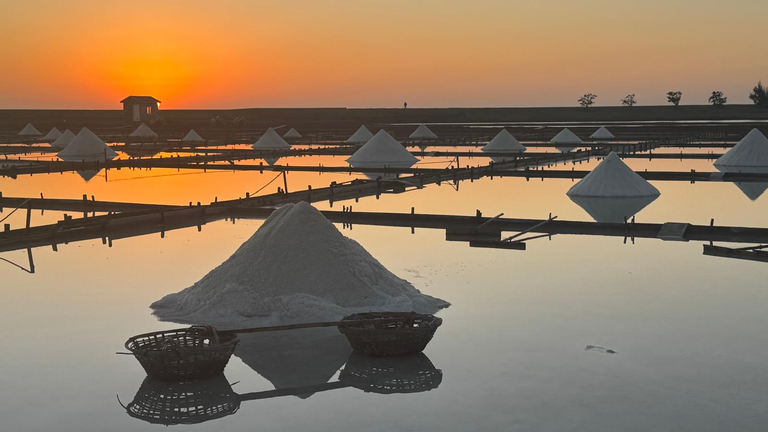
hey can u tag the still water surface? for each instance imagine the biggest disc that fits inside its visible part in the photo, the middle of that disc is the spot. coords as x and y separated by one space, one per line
689 330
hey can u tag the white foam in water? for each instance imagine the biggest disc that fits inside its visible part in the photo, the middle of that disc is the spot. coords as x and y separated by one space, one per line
296 268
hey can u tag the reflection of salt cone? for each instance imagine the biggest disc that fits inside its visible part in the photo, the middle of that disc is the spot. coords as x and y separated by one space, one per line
753 190
87 175
612 209
297 358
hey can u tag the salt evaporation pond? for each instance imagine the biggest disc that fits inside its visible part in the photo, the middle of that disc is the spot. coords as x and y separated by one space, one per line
687 329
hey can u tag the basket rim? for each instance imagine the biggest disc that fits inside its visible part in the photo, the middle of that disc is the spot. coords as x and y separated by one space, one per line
197 329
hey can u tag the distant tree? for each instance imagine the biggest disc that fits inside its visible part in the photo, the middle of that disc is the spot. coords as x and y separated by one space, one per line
587 100
674 97
629 100
717 99
759 95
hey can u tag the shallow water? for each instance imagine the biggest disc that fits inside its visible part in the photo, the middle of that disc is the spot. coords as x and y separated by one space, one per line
688 329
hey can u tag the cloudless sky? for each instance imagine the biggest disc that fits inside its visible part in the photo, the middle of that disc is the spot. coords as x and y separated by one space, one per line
371 53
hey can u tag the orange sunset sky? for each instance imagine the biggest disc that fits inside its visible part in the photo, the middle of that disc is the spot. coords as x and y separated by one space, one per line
366 53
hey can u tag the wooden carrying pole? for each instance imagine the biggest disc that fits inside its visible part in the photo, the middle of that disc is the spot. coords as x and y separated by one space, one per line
316 324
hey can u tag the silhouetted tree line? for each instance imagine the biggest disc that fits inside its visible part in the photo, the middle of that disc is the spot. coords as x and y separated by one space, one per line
759 96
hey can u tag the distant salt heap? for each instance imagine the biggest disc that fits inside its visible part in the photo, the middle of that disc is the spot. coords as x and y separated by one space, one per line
192 136
29 131
52 135
751 151
504 142
423 133
602 134
750 155
64 139
612 192
271 140
566 141
362 136
143 131
292 133
296 268
86 146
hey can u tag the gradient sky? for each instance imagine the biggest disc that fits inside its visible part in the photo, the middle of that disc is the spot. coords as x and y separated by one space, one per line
370 53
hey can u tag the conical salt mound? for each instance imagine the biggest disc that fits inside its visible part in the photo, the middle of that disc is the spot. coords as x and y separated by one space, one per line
613 178
87 145
565 136
143 131
52 135
64 139
296 268
29 130
382 150
192 136
362 136
504 142
422 132
293 133
271 140
602 134
751 151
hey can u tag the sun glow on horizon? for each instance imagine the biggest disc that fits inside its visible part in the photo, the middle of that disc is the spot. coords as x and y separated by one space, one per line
335 53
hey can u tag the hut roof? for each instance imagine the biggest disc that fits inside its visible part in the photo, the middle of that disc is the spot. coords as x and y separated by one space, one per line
29 130
602 133
271 140
86 145
751 151
613 178
293 133
504 142
363 135
143 131
140 99
384 150
192 136
423 132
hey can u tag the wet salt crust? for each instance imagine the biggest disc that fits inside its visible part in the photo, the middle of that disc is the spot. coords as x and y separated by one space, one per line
296 268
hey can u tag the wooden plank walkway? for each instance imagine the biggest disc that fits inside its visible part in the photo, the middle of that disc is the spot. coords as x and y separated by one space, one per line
117 226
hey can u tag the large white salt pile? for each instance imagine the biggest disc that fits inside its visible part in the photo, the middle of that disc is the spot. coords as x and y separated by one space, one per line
504 142
292 133
296 268
271 140
382 151
86 146
751 151
612 192
423 133
565 140
362 136
602 134
613 178
143 131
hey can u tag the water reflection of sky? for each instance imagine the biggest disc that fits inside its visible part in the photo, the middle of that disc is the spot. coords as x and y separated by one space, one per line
688 329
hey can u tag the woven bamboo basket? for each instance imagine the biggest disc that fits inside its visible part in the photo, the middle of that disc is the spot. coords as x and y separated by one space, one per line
183 354
389 333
